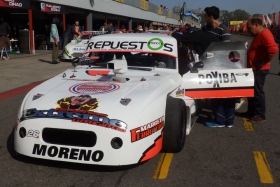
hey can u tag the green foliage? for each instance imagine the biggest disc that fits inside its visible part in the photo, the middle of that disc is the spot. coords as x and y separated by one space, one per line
237 15
257 15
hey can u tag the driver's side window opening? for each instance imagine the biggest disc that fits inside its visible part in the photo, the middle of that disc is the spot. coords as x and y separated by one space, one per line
187 56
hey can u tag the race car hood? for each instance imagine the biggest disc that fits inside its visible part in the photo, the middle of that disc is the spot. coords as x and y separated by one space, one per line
90 90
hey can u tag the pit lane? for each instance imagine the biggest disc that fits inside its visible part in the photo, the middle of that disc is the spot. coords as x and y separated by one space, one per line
211 157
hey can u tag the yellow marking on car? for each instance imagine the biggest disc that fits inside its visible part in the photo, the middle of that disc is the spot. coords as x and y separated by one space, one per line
163 166
263 168
248 125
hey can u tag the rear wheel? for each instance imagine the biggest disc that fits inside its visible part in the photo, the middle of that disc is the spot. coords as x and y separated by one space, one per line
175 125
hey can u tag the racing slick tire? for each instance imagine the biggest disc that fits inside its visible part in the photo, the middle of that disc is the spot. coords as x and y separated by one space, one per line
175 125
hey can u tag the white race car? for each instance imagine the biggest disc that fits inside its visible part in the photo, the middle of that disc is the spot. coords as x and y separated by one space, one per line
125 101
77 47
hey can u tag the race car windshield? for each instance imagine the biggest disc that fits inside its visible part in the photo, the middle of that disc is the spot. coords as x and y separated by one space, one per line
138 59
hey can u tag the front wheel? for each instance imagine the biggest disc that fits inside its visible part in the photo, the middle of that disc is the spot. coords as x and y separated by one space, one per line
175 125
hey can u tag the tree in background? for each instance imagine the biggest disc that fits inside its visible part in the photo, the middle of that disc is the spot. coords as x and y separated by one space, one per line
241 15
257 15
237 15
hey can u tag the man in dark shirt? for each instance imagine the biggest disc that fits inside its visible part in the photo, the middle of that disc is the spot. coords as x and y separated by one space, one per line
5 28
213 25
222 108
200 39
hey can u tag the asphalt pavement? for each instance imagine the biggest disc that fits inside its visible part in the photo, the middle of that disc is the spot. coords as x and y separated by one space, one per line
211 157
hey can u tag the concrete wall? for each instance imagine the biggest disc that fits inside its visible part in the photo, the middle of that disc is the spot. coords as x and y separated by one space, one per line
113 7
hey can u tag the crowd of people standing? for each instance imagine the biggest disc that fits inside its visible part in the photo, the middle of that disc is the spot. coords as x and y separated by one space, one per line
260 53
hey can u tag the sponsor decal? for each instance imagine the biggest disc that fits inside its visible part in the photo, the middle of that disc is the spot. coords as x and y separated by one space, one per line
180 92
79 116
82 49
82 102
154 44
64 75
98 72
33 133
48 7
37 96
72 76
77 109
15 3
93 88
216 78
67 153
144 131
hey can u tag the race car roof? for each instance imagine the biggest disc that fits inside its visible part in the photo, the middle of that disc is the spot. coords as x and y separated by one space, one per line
134 42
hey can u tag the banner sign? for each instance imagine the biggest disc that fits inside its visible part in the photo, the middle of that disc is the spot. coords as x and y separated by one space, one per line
235 22
15 4
48 7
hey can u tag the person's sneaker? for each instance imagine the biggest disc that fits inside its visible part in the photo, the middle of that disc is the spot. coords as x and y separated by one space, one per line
229 126
213 124
257 119
238 105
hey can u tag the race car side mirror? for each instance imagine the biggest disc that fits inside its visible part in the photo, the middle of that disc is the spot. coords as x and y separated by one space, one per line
75 61
197 65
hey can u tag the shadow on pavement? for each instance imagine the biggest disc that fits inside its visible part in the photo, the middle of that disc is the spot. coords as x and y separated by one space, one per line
60 164
203 117
47 61
278 74
63 60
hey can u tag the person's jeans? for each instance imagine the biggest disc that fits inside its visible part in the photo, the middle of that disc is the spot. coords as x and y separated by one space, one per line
55 52
65 41
256 105
5 55
223 109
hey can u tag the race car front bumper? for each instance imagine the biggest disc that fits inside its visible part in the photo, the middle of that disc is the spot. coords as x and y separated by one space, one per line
78 143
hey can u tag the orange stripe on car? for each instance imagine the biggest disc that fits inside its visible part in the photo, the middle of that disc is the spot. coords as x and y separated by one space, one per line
220 93
98 72
153 150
